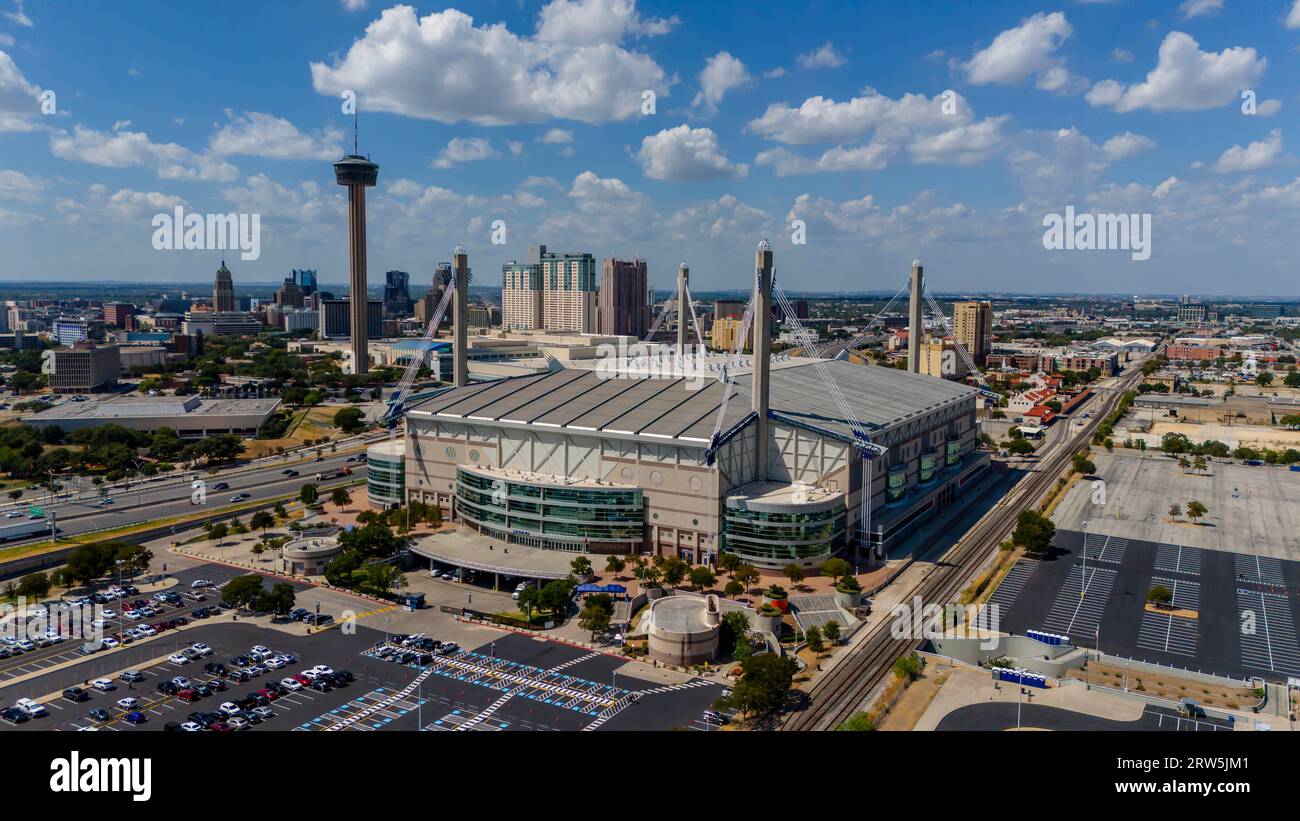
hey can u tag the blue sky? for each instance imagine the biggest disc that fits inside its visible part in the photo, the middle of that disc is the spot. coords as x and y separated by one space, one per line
939 130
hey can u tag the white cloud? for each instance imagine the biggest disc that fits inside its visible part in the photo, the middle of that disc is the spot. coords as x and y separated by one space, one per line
1029 49
126 149
443 67
1126 146
404 188
556 136
725 217
462 149
19 16
354 5
1268 108
1162 190
1293 16
1122 55
824 57
125 205
1185 79
1254 157
15 185
7 40
1200 8
20 102
772 74
592 22
822 120
256 134
721 74
685 154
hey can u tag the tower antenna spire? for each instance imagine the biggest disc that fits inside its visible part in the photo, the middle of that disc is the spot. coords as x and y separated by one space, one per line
356 141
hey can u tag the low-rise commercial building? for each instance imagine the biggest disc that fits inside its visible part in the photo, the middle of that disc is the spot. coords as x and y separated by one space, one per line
191 417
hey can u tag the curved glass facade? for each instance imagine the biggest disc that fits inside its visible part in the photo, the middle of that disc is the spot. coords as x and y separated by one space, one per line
558 517
773 540
385 478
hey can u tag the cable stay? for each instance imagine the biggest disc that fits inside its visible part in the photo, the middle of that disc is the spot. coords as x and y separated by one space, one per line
659 320
866 329
397 402
985 390
695 320
729 385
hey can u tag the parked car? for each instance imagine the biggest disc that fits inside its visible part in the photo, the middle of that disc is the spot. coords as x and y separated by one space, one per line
132 676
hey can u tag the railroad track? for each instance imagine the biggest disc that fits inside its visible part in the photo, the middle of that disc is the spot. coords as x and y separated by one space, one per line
842 691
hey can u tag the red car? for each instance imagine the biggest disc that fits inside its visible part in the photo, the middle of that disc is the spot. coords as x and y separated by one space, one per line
269 695
220 727
160 626
188 694
303 680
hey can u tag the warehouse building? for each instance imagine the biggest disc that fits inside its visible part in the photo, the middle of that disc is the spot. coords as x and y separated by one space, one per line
630 461
190 416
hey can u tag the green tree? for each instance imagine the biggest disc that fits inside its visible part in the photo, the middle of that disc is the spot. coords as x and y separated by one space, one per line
615 564
34 586
555 597
764 684
728 561
747 575
262 520
674 571
813 638
835 567
1160 596
908 667
733 589
581 566
702 578
349 420
595 616
1175 510
1195 511
340 498
793 572
308 495
530 599
219 531
1083 465
1034 532
242 591
832 631
859 722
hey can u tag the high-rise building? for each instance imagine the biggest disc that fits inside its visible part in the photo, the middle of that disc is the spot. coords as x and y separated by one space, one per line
306 280
521 296
397 293
120 315
552 291
223 292
336 318
82 368
357 173
290 294
568 292
726 330
623 305
973 328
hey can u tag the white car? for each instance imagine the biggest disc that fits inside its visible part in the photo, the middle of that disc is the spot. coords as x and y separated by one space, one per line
178 658
26 645
201 648
133 615
107 614
103 685
192 727
182 682
290 684
230 708
275 663
197 583
13 514
323 669
111 643
161 597
128 703
310 673
259 650
31 707
146 630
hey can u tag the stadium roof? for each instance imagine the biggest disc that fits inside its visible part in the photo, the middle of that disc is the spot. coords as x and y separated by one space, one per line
687 408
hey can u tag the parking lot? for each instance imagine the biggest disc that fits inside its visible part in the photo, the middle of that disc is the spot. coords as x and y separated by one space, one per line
1246 607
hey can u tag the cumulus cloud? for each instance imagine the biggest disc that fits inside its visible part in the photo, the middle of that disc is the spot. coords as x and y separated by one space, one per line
556 136
721 74
1293 16
824 57
256 134
724 217
912 124
592 22
444 67
15 185
465 149
1185 79
20 101
1028 50
126 149
1126 146
1200 8
685 154
1253 157
124 205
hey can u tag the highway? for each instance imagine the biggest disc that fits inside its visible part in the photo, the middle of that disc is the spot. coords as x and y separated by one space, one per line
840 693
149 501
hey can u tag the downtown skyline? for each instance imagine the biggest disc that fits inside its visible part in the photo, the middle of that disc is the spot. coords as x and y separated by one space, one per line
945 133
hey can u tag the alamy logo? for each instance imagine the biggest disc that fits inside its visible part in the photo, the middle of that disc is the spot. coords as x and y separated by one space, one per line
208 232
199 492
1098 232
128 775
